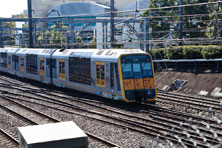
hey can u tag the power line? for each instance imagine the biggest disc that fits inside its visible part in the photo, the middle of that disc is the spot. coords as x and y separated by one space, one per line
128 11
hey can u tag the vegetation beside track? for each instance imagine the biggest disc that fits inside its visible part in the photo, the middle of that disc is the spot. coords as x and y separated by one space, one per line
188 52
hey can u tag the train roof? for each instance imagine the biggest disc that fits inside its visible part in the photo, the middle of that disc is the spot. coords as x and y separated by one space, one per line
2 50
96 53
35 51
8 50
12 50
109 54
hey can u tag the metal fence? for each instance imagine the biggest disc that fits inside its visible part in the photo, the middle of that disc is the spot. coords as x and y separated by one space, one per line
137 28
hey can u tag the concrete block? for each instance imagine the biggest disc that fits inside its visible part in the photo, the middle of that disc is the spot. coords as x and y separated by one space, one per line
216 92
203 93
55 135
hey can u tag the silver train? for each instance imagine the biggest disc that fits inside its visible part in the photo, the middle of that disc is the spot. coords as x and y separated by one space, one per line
119 74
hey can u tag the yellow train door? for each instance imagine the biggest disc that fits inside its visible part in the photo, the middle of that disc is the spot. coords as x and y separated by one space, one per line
42 66
22 63
100 74
62 75
9 61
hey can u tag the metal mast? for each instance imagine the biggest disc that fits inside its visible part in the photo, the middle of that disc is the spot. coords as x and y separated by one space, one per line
180 21
30 23
1 28
112 22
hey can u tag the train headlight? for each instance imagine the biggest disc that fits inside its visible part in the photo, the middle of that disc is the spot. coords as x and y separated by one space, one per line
149 92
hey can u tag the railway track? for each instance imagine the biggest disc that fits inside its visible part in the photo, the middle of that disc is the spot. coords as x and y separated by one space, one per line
198 105
158 119
206 102
154 129
50 119
7 141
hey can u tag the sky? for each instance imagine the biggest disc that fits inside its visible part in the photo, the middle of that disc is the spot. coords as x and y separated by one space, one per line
10 7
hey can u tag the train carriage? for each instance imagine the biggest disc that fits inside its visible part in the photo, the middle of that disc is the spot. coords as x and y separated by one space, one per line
73 69
32 64
132 71
119 74
106 73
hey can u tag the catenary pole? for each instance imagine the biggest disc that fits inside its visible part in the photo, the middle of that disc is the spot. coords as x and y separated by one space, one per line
1 34
146 34
112 22
180 21
30 23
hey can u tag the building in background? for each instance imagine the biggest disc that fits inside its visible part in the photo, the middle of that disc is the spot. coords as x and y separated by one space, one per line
126 35
41 7
123 32
88 9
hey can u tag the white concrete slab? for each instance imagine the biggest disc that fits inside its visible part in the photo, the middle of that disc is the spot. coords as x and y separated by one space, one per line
216 92
56 135
203 93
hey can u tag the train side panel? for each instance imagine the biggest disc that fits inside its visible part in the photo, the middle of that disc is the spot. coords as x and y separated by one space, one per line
4 60
21 66
11 60
73 70
106 78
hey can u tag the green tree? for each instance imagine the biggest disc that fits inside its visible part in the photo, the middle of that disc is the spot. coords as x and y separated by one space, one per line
8 37
54 38
22 15
215 24
161 25
193 25
79 42
92 43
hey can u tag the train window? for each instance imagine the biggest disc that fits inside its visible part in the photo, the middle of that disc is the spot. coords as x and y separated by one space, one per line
42 66
4 60
136 67
9 61
22 63
117 77
127 70
42 62
137 70
80 70
100 74
111 75
147 69
102 70
62 69
31 64
97 71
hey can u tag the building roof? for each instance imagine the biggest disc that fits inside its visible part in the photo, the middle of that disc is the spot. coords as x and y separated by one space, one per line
77 8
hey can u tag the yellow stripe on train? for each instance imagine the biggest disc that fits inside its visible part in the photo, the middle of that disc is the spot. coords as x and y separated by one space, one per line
132 84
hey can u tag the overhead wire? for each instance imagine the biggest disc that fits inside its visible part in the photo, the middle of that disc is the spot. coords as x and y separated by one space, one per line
169 21
127 11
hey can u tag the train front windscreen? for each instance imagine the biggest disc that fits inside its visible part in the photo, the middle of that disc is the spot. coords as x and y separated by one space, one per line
138 77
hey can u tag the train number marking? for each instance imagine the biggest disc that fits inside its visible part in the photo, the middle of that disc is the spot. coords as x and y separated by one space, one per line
128 84
148 83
